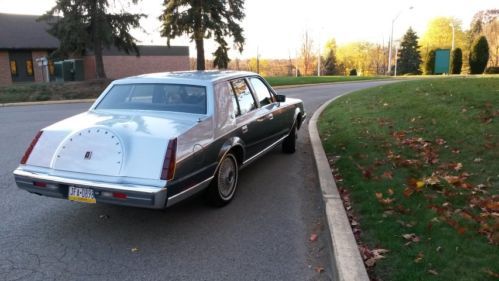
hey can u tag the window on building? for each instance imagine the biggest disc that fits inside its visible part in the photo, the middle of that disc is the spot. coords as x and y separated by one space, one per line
29 67
13 68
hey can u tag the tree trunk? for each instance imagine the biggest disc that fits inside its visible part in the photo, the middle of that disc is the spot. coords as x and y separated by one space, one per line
97 40
200 54
99 63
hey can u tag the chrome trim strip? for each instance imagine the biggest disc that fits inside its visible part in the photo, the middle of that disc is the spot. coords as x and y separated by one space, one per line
188 192
254 157
103 185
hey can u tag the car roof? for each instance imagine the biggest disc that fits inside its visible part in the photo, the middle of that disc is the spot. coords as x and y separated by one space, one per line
188 76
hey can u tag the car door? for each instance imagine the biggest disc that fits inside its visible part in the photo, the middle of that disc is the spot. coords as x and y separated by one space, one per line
250 125
272 113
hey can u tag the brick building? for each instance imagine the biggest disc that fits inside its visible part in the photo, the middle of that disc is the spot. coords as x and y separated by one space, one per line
23 40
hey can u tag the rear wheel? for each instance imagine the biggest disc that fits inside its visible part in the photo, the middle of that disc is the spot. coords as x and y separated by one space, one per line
289 143
224 184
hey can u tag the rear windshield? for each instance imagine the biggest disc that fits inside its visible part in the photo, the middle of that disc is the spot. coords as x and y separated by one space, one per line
157 97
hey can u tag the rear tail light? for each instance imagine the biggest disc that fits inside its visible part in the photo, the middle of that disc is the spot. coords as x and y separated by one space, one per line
39 184
30 148
120 195
168 171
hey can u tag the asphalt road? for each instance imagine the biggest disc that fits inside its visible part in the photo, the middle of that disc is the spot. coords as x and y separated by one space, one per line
262 235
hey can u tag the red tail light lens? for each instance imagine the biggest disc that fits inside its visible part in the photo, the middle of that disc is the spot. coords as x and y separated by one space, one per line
169 163
30 148
120 195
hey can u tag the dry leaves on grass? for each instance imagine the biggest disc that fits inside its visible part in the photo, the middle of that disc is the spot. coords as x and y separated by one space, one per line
411 238
370 257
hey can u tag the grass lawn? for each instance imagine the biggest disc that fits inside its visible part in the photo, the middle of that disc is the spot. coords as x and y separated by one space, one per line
417 164
289 80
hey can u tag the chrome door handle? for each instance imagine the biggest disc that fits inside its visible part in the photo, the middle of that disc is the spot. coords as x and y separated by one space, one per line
245 129
270 116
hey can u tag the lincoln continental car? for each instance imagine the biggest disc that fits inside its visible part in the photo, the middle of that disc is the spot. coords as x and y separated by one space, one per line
153 140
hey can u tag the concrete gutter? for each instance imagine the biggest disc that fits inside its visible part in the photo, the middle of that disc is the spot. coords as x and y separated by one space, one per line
346 260
46 102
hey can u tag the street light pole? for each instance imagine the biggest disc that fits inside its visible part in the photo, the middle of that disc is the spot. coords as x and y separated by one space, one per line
391 41
453 33
452 47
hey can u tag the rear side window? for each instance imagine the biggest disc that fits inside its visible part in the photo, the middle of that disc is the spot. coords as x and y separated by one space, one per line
262 91
156 97
244 97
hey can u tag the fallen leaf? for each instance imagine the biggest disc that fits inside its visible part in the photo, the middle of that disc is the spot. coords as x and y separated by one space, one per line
440 141
419 258
390 192
452 179
388 175
411 237
319 269
379 195
433 271
477 160
370 262
420 184
433 180
408 192
313 237
491 273
134 249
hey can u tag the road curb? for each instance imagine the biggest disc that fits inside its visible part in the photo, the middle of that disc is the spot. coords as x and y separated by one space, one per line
329 83
347 263
45 102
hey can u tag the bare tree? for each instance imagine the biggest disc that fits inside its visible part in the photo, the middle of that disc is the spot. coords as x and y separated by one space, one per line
307 54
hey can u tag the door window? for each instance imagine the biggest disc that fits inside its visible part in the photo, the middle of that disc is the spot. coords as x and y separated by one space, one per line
244 97
262 91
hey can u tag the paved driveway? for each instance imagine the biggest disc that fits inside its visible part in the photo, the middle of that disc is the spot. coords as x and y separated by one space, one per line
262 235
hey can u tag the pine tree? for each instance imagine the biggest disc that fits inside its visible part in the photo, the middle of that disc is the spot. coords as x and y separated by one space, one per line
456 63
479 56
409 58
88 25
330 63
203 20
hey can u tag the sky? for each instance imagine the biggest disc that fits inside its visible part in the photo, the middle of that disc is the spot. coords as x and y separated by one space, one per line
275 28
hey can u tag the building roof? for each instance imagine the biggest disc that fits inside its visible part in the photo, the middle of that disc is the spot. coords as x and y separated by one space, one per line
24 32
147 50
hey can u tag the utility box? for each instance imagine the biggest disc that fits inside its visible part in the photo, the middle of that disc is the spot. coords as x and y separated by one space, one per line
69 70
442 61
58 71
77 69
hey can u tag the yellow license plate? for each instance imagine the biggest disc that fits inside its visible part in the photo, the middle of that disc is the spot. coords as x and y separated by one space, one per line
81 194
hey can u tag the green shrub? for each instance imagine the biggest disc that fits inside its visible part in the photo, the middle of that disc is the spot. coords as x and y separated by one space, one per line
429 66
456 63
492 70
479 56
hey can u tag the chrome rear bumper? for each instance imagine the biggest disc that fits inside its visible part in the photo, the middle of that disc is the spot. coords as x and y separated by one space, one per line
53 186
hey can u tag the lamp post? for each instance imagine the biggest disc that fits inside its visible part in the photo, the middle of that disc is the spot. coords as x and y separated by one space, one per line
452 47
453 33
391 41
397 44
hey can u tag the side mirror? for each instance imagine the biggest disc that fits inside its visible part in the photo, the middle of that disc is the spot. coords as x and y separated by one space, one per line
280 98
